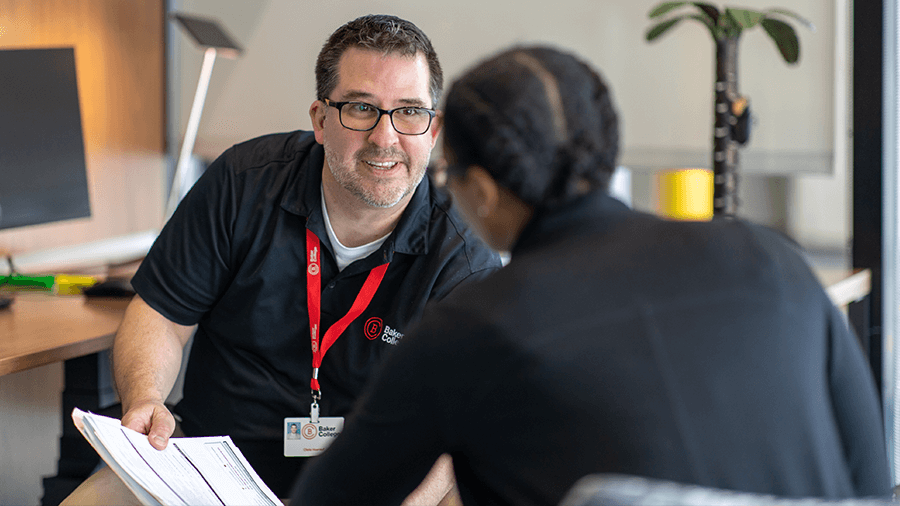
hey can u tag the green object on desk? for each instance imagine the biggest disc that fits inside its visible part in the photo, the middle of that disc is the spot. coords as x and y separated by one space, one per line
32 282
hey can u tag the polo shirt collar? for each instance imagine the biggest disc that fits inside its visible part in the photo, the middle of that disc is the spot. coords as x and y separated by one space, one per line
303 198
412 232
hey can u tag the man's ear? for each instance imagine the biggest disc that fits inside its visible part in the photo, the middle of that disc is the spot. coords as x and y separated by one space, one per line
437 123
317 116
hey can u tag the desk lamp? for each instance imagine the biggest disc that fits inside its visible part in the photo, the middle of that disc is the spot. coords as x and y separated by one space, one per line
206 33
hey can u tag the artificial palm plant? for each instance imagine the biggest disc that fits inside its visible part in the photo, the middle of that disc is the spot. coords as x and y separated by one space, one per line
731 109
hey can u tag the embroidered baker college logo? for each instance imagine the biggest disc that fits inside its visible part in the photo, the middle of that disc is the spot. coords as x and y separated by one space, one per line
375 328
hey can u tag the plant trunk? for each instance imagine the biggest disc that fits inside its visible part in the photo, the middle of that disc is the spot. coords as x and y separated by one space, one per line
725 148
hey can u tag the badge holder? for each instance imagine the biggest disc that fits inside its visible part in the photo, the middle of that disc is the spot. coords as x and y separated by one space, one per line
314 434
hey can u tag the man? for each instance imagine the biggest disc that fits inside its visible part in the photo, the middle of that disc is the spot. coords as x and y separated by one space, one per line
614 341
301 257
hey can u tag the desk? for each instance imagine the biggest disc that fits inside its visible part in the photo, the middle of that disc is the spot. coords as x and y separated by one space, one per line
846 286
40 329
849 290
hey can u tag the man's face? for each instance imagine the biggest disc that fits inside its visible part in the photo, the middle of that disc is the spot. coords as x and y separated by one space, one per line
380 167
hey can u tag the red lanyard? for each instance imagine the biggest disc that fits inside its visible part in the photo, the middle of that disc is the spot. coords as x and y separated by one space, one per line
314 302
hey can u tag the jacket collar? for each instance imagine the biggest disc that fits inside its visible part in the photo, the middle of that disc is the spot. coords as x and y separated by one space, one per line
596 209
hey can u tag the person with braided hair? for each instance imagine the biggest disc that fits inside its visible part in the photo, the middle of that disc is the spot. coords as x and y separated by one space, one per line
614 341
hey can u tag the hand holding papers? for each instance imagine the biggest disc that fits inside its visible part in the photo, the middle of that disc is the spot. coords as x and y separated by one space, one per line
190 471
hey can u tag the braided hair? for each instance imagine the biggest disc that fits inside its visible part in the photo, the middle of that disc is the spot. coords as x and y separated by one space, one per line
540 121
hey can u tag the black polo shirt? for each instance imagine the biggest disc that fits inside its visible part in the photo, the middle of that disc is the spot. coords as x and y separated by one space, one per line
232 259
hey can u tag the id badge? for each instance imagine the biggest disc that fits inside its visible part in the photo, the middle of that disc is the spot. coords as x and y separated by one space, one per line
305 438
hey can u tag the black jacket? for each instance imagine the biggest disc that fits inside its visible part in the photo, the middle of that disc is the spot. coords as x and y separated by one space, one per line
615 341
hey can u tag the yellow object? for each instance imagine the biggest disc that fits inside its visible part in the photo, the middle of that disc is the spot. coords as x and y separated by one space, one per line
685 194
67 284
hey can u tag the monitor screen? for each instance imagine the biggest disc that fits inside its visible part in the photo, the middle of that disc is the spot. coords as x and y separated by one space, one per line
42 165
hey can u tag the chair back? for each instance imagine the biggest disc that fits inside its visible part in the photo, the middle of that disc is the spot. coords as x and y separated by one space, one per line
624 490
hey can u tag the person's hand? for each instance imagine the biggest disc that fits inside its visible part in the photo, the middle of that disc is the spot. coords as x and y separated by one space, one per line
153 419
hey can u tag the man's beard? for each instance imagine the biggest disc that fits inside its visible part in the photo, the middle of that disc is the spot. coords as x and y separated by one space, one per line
353 182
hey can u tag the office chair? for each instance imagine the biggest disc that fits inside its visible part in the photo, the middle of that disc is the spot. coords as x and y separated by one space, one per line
624 490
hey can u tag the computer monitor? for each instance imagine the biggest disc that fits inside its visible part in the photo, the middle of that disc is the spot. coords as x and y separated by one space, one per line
43 177
42 165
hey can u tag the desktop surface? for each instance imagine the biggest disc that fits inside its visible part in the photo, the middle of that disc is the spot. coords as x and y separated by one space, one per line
40 328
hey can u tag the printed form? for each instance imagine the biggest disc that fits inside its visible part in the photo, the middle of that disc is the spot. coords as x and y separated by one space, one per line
190 471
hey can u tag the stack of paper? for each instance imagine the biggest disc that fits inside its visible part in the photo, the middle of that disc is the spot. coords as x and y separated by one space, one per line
190 471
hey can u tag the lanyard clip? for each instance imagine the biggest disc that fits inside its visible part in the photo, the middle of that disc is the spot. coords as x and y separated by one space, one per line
314 408
314 382
316 396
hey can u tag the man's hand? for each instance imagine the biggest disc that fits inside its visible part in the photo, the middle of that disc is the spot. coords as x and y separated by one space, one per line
147 354
151 418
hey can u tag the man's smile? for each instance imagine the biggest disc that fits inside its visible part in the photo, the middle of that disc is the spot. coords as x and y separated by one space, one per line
381 165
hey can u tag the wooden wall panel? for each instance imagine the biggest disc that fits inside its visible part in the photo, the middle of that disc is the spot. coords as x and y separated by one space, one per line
119 56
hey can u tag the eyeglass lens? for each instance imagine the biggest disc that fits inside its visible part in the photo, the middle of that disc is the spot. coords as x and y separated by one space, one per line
406 120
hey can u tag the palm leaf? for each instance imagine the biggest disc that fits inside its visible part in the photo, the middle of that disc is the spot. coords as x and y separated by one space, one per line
711 10
657 30
785 39
745 18
662 28
784 12
664 8
708 23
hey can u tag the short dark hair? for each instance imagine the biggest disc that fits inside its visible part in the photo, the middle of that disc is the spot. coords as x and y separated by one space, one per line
539 120
377 32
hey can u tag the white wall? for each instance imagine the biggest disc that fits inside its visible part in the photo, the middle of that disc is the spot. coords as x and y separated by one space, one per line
664 89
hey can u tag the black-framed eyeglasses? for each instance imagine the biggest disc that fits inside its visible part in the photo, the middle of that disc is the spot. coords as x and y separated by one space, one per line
361 117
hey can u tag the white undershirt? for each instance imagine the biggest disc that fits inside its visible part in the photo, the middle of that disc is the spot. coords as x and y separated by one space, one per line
344 255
